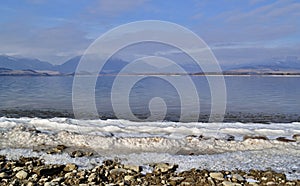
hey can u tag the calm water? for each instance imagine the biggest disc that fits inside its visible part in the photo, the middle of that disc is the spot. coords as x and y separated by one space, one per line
271 95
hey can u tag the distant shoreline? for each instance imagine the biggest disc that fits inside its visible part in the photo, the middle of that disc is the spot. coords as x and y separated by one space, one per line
153 74
243 117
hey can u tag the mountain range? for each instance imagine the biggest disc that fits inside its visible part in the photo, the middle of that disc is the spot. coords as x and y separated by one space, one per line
10 65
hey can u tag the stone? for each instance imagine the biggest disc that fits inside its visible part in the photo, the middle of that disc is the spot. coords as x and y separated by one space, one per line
30 184
17 169
238 177
70 167
184 183
43 180
22 175
283 139
128 178
229 138
69 175
296 137
2 158
58 179
290 183
134 168
92 177
217 176
49 184
165 167
228 183
88 154
255 137
117 171
176 179
33 178
108 163
48 170
61 147
270 183
76 154
3 175
211 181
95 169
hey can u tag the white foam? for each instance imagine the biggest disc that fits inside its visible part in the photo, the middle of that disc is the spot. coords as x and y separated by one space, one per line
123 128
147 142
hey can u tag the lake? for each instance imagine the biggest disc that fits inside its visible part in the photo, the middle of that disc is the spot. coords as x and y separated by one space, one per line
252 96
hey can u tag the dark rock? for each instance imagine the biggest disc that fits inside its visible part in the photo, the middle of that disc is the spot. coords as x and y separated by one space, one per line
76 154
48 170
255 137
283 139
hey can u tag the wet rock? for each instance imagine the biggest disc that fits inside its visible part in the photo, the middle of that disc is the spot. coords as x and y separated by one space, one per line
48 170
229 138
296 137
255 137
56 150
88 154
76 154
283 139
108 163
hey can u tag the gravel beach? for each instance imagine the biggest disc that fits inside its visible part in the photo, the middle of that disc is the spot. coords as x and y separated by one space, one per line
33 171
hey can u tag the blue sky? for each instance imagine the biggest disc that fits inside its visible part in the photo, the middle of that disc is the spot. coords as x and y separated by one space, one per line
247 31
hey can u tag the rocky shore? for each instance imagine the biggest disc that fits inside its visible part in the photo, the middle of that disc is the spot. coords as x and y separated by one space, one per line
30 171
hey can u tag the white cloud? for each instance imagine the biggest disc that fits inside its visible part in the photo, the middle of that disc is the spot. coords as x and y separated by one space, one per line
54 44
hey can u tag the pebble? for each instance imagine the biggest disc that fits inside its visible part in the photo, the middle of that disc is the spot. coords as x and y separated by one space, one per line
112 172
3 175
30 184
164 167
237 177
296 137
92 177
22 175
70 167
217 175
128 178
228 183
271 183
17 169
134 168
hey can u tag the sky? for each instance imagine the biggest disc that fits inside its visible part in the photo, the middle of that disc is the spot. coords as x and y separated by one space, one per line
238 32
